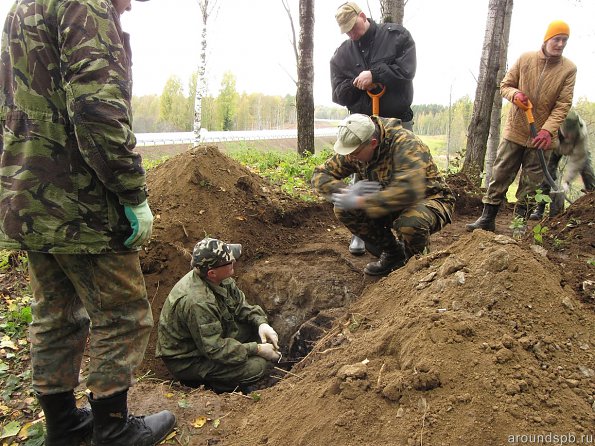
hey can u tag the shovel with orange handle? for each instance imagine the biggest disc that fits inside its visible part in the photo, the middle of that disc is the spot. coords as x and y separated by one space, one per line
376 99
528 108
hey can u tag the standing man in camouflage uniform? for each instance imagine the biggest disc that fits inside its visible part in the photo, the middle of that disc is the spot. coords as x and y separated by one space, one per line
73 195
403 191
208 333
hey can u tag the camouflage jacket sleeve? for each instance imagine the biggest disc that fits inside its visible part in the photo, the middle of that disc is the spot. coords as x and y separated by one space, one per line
401 168
243 311
328 178
96 69
210 316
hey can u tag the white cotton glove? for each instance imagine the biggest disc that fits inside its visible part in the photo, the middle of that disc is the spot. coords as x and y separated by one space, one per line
268 352
267 334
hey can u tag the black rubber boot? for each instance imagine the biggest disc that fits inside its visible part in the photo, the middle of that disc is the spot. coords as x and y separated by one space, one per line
114 427
487 221
357 247
522 210
65 424
537 214
390 260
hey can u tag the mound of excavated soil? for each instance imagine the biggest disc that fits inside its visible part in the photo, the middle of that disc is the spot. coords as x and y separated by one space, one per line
484 339
466 346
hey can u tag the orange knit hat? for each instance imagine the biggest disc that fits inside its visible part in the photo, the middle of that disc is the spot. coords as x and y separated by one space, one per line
555 28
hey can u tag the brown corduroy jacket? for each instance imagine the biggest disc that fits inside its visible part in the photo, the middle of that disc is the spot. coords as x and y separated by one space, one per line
549 84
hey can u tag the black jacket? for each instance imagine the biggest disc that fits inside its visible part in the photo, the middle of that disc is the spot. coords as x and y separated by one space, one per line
388 51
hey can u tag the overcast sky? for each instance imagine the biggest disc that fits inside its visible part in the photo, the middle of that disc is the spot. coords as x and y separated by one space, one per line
251 38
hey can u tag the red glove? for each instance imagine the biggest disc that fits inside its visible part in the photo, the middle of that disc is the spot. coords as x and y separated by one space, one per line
543 140
521 100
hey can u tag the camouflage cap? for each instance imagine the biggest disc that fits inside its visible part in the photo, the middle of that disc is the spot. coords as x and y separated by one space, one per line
210 253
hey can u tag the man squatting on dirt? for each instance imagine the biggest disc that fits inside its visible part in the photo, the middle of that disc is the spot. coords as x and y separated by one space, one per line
73 195
574 144
208 333
546 79
401 189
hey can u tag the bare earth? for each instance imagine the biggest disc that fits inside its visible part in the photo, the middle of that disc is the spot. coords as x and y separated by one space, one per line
484 339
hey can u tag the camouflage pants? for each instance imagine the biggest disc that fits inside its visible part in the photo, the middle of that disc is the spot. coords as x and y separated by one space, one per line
509 159
413 225
69 292
221 377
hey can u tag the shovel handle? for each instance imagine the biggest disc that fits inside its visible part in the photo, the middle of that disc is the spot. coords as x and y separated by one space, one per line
376 100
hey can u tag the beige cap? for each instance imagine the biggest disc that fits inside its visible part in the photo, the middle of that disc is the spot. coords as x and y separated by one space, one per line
353 131
346 16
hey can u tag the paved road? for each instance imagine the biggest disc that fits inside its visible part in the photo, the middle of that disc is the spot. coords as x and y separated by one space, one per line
156 139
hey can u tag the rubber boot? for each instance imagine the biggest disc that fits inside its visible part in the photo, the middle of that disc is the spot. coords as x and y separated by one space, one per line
65 424
522 211
537 214
487 221
357 247
391 259
114 427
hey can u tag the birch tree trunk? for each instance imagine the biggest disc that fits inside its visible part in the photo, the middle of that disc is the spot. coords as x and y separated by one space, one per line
487 87
494 138
392 11
305 86
201 82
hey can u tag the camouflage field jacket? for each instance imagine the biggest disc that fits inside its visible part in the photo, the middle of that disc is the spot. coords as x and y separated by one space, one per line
403 166
199 319
67 164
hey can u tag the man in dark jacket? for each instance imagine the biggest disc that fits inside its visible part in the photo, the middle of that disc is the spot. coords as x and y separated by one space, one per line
375 57
208 332
372 57
401 189
73 195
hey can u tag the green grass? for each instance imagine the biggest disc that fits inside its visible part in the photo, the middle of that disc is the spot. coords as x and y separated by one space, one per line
287 170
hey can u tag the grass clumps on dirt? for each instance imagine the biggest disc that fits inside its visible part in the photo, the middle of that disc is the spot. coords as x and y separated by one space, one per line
288 170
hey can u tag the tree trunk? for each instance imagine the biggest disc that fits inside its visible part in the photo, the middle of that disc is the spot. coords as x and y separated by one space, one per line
494 138
201 82
305 95
392 11
487 87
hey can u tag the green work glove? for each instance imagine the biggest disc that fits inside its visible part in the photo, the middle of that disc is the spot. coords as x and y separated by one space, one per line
141 221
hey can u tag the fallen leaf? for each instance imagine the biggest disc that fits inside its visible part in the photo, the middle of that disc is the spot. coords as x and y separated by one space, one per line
169 395
199 422
216 423
7 343
10 429
241 218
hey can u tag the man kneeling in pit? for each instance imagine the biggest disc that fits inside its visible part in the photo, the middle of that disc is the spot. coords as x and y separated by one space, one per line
208 333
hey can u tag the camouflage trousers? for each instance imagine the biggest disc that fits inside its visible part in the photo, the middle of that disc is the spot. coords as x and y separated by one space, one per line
221 377
509 158
71 292
413 225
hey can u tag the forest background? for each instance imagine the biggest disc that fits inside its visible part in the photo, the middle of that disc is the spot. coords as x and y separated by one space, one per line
173 111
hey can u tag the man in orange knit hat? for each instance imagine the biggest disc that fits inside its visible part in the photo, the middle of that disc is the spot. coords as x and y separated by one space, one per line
546 78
